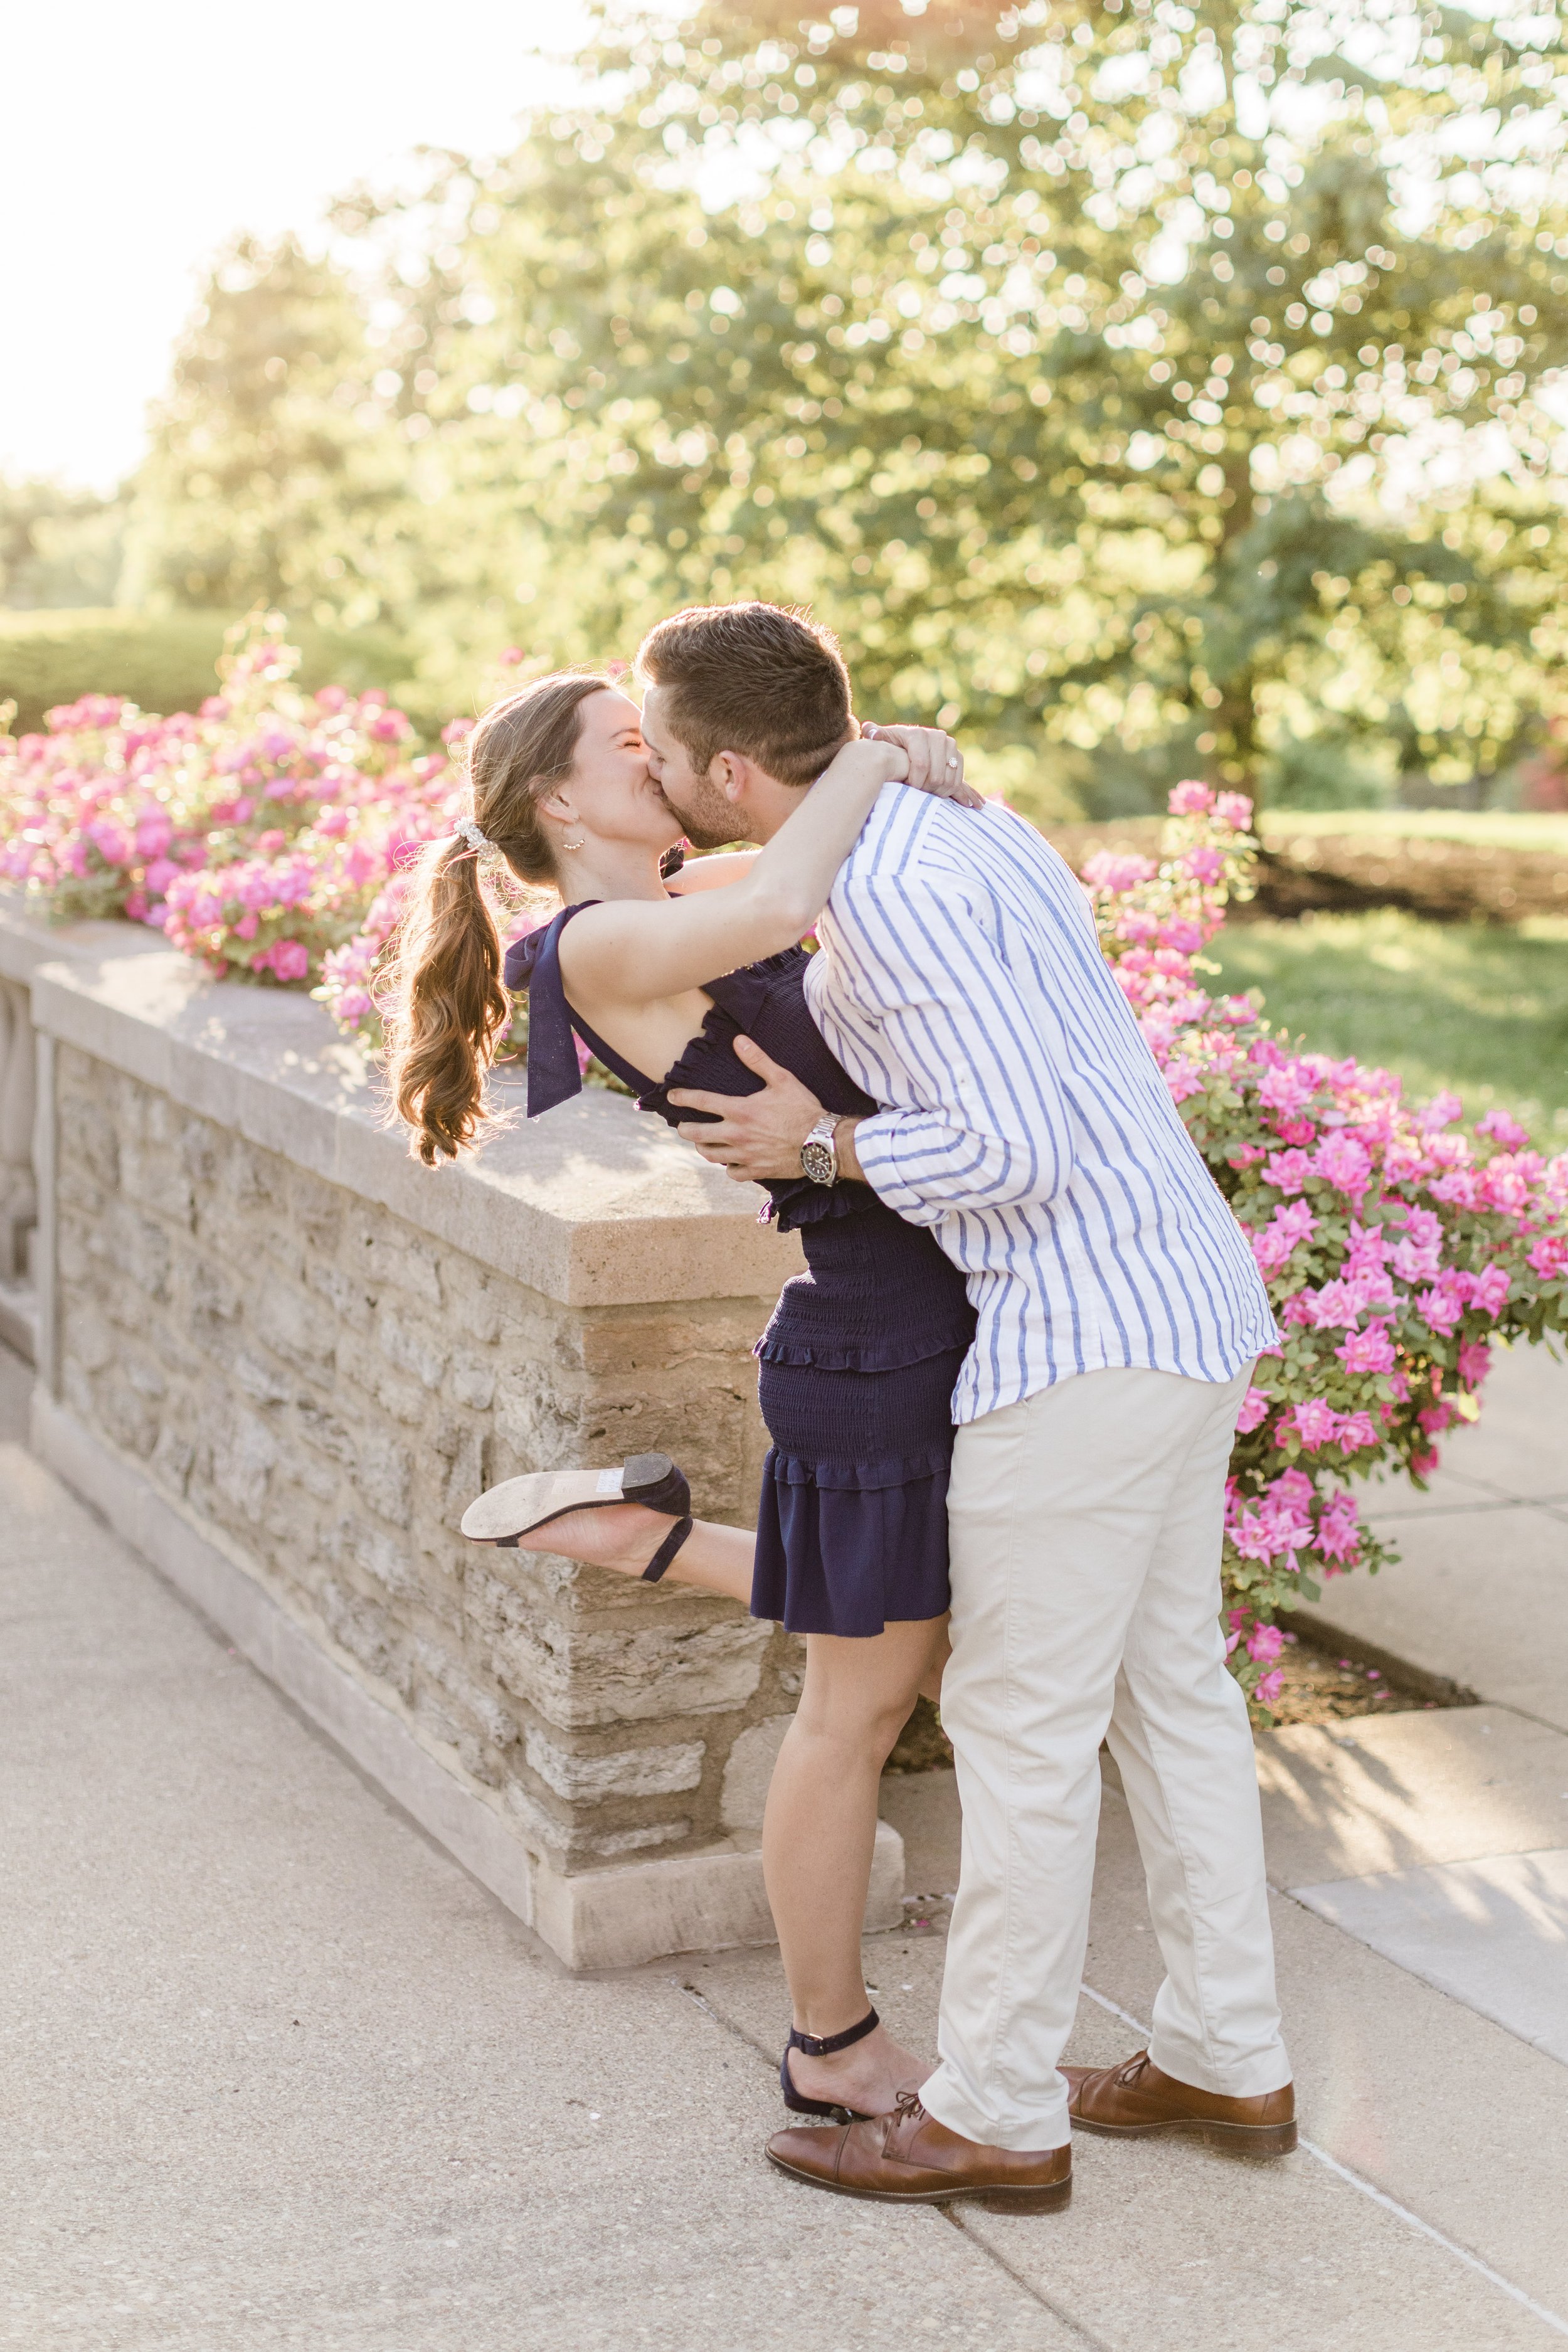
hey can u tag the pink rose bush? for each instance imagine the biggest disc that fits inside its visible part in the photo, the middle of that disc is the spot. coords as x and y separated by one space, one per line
1396 1248
255 831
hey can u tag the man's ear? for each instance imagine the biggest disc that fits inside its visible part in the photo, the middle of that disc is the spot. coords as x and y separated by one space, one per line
729 771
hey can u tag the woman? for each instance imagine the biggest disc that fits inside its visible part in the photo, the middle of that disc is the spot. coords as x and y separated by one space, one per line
859 1359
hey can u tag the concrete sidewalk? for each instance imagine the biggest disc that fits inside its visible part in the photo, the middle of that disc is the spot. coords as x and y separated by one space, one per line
281 2075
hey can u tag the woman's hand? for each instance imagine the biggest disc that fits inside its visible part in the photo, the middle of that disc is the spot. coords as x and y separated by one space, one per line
935 763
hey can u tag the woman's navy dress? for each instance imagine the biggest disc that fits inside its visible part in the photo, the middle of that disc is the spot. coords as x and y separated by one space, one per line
858 1362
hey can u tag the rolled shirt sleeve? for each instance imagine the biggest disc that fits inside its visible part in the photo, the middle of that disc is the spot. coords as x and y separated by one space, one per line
973 1041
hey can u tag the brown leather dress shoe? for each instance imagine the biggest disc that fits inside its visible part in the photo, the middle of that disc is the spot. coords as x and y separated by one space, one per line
909 2158
1135 2101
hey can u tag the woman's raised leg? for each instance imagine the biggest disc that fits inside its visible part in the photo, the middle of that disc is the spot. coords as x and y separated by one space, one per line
718 1559
625 1536
817 1836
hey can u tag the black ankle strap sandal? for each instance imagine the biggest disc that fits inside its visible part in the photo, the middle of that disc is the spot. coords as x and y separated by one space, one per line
823 2045
668 1548
518 1506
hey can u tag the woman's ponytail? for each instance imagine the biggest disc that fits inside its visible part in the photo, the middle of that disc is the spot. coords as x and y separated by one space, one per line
442 1006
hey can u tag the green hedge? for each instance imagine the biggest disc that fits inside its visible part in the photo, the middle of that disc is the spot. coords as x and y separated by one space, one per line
162 662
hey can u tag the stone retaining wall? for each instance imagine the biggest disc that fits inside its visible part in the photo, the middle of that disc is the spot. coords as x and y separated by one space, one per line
269 1335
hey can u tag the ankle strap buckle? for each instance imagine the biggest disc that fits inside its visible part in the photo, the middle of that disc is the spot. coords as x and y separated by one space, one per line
823 2045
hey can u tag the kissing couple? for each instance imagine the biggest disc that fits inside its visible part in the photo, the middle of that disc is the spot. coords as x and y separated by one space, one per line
1002 1397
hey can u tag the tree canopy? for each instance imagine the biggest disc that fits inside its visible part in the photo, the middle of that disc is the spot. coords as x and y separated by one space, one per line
272 480
1145 384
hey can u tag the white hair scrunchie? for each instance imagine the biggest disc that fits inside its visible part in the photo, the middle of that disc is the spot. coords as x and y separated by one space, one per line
470 834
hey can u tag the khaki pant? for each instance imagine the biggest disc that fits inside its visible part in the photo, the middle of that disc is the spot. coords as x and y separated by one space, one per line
1086 1527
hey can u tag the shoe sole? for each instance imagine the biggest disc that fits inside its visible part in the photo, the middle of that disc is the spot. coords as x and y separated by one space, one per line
999 2199
518 1506
1236 2139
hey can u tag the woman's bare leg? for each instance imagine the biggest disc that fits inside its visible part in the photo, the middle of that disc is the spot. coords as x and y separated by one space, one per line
821 1819
817 1836
625 1536
936 1667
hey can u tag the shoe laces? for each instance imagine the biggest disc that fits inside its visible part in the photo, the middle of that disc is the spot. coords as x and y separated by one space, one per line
907 2116
1127 2075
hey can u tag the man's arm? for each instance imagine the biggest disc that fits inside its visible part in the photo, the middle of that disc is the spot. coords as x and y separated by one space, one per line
940 1023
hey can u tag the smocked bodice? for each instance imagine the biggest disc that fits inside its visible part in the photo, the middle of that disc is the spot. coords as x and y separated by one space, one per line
879 1293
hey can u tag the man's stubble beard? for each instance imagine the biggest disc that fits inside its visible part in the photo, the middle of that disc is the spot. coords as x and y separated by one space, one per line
707 820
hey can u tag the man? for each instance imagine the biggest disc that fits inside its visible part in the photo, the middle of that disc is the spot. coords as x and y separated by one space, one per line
1025 1121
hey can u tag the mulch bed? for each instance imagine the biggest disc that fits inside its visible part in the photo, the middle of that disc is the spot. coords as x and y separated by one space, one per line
1320 1687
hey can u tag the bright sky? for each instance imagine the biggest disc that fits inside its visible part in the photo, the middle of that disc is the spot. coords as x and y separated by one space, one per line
136 139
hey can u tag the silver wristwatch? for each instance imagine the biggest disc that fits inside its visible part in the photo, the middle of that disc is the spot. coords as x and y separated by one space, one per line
819 1153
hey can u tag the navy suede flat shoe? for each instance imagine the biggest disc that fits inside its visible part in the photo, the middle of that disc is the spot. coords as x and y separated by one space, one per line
822 2045
518 1506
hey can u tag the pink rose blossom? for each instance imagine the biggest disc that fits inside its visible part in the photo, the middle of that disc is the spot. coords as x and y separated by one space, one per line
1288 1170
1339 1528
1107 871
1507 1182
1291 1225
1504 1130
1367 1351
1441 1310
1344 1163
1254 1412
1286 1088
1404 1160
1313 1421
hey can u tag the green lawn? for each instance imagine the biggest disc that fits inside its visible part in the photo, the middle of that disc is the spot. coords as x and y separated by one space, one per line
1471 1006
1496 828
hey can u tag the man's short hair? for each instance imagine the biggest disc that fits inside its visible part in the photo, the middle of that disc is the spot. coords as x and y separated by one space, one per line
753 679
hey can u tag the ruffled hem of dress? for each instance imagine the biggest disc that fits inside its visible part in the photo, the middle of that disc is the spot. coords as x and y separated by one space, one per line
874 1356
857 1478
799 1201
850 1561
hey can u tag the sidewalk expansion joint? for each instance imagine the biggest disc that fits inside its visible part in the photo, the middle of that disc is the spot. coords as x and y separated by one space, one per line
1553 1505
941 2212
1379 2196
955 2219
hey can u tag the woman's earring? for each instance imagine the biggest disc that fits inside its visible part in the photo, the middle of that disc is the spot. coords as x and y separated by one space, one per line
576 845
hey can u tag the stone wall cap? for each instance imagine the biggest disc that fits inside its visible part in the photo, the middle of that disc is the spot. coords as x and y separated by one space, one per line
595 1205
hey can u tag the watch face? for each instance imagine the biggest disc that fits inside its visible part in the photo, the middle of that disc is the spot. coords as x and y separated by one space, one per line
817 1161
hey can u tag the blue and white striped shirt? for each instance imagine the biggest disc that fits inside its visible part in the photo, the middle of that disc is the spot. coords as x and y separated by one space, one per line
962 983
